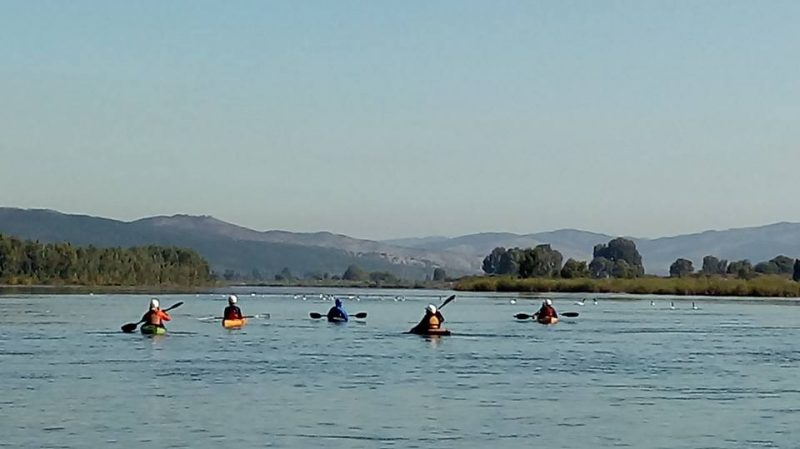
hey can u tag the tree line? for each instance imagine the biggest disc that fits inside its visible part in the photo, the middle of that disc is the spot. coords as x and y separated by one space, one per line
619 258
31 262
743 269
353 273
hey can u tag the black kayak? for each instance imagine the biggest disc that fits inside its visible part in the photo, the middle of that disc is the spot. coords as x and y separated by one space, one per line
430 332
337 319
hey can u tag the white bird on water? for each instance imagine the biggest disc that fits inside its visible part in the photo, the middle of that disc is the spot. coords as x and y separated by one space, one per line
671 305
694 306
652 303
513 301
581 302
594 301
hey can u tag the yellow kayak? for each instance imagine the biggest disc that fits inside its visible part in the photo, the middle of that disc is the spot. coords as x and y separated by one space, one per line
234 324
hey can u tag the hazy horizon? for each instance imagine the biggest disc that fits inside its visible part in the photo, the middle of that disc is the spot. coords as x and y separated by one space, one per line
499 231
410 119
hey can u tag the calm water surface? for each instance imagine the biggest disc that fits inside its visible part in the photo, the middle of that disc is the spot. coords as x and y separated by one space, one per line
624 374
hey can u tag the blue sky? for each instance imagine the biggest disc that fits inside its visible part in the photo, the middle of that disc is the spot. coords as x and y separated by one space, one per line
393 119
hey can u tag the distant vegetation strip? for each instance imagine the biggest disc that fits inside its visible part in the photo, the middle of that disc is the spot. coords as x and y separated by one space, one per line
396 284
26 262
761 286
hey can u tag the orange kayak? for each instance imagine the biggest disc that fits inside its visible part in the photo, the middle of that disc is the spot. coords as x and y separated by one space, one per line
234 324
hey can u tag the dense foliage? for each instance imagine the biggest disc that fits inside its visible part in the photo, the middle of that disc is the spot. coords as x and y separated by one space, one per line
681 268
574 269
541 261
619 258
617 266
29 262
712 265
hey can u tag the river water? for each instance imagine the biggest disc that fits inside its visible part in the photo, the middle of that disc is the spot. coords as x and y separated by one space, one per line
625 373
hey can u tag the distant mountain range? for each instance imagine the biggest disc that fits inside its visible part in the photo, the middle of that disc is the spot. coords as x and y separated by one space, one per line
230 247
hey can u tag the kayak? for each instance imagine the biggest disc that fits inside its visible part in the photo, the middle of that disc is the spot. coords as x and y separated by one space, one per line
150 329
430 332
336 319
234 324
547 320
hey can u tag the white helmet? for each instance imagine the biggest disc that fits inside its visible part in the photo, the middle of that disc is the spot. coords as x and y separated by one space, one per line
153 304
431 308
548 301
232 299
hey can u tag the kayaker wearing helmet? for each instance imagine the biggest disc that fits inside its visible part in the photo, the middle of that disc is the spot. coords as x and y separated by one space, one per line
547 313
155 316
337 312
432 320
232 312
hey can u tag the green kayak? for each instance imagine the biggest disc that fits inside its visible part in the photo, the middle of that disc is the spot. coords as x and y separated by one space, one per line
149 329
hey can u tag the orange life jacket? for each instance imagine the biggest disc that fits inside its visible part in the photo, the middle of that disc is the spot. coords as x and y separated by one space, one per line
157 317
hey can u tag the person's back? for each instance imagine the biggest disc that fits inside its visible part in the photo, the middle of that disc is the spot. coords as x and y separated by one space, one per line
337 312
547 312
232 312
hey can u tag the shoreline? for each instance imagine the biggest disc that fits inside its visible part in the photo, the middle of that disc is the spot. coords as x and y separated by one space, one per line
72 289
767 286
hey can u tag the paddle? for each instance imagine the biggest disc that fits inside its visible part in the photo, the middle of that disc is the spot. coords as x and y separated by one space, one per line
447 301
525 316
260 315
130 327
317 316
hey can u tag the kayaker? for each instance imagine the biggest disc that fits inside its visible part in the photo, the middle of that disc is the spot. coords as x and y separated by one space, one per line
155 316
432 320
232 312
337 312
547 312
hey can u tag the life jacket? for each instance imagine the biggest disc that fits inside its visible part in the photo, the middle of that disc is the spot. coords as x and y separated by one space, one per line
433 322
547 312
233 313
156 317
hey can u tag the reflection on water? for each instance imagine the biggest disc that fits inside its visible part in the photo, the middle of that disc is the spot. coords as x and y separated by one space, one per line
624 374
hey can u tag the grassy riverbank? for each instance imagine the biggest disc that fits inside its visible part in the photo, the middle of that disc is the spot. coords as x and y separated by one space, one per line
762 286
330 283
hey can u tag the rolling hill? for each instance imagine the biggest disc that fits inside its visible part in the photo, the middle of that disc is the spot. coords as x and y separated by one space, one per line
230 247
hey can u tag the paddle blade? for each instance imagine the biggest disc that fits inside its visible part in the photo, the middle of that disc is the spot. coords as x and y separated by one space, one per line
174 306
447 301
130 327
360 315
523 316
315 315
570 314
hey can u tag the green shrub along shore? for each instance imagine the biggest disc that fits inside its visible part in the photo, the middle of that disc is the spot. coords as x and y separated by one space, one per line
26 263
760 286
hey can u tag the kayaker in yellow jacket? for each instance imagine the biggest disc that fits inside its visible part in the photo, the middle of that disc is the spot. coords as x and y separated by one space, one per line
432 320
